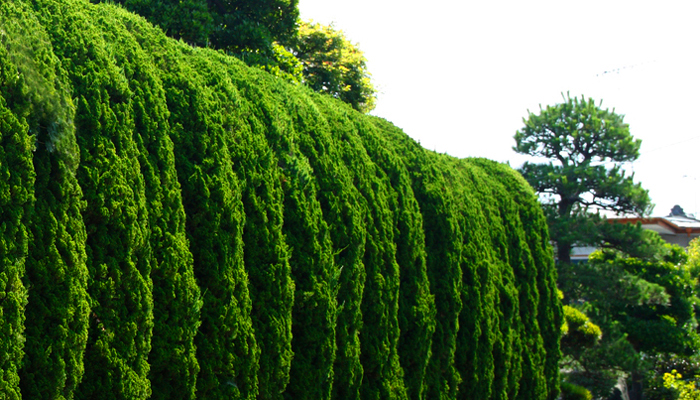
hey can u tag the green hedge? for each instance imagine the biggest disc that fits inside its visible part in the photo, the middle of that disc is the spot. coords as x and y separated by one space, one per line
177 225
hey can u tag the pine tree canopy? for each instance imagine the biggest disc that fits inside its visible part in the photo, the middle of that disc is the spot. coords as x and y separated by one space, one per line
585 147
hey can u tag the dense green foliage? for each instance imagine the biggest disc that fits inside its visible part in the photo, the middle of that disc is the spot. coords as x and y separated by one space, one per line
645 307
332 64
663 381
177 225
683 390
241 27
637 292
578 331
585 146
268 34
570 391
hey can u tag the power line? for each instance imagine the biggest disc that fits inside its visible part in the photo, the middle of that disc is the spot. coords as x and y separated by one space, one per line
671 144
623 68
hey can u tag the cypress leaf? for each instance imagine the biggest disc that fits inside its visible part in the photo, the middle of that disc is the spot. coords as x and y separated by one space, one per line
533 382
550 314
416 303
315 276
314 315
383 376
15 197
227 349
342 210
506 371
119 256
176 295
55 267
266 251
443 242
16 200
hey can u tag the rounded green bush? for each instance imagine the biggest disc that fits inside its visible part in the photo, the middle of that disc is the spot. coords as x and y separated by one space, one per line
570 391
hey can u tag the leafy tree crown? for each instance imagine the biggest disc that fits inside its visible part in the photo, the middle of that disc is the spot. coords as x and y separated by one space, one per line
334 65
577 132
586 146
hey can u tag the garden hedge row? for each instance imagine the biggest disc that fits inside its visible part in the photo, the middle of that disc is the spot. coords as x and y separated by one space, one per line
176 225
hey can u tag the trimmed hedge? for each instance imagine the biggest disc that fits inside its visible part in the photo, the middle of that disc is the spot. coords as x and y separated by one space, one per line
177 225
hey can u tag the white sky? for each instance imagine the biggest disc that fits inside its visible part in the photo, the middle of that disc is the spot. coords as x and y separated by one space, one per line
459 76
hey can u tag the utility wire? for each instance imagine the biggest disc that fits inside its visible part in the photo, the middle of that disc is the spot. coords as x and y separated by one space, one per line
671 144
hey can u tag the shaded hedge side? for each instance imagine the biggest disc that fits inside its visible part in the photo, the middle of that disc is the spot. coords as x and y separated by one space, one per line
177 225
227 349
17 180
416 303
116 216
56 271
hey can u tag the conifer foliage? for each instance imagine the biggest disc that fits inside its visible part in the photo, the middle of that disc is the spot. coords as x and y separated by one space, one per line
177 225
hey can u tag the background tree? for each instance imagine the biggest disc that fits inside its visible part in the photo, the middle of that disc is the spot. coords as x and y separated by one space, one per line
645 307
189 20
578 332
664 382
586 147
252 26
244 28
269 35
334 65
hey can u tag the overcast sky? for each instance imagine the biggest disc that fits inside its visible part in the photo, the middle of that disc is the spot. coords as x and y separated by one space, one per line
459 76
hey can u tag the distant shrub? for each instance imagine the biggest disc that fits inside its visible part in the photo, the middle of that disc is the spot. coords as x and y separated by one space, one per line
570 391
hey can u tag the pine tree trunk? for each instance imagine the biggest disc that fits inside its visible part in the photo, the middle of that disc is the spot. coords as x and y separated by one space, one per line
564 252
636 386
